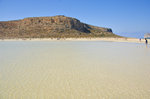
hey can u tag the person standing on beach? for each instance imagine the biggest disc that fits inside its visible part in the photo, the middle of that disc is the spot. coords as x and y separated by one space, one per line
146 42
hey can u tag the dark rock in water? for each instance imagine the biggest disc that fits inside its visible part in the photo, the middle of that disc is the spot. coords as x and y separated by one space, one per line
57 26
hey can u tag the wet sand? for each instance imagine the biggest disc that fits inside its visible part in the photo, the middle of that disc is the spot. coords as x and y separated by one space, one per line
74 70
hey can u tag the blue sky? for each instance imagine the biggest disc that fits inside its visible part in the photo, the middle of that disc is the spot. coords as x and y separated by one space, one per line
125 17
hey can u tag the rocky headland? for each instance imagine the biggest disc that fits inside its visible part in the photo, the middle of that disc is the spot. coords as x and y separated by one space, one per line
51 27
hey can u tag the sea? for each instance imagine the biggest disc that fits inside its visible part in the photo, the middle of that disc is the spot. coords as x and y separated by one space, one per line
74 70
139 35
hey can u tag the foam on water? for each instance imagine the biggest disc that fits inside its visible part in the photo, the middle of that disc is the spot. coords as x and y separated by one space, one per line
74 70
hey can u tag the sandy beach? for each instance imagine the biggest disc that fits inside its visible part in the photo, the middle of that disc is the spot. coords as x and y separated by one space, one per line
133 40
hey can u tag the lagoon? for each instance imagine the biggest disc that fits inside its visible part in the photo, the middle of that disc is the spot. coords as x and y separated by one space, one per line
74 70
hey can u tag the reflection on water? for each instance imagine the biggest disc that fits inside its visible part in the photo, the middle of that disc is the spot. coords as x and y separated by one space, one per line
74 70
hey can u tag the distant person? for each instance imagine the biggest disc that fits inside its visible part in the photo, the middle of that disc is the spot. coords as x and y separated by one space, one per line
146 41
140 39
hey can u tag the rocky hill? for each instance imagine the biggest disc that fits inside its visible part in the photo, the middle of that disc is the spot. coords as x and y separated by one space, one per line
45 27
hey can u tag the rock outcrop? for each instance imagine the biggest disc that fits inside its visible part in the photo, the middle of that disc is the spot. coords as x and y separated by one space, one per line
45 27
147 35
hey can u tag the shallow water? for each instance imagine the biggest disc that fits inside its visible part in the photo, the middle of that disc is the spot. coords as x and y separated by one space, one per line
74 70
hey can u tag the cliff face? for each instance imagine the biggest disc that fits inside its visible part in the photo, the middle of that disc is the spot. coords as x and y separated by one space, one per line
57 26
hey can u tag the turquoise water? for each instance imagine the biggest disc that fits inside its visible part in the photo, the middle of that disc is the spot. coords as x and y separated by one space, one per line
74 70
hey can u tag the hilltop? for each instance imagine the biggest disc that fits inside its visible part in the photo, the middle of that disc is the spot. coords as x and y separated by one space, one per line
51 27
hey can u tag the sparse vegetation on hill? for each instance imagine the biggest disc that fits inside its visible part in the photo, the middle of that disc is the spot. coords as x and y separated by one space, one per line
51 27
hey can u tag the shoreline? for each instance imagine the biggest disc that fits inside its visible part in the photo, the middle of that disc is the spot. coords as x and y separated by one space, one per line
133 40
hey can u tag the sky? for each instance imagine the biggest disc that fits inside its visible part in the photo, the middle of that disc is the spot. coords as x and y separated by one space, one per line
129 18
